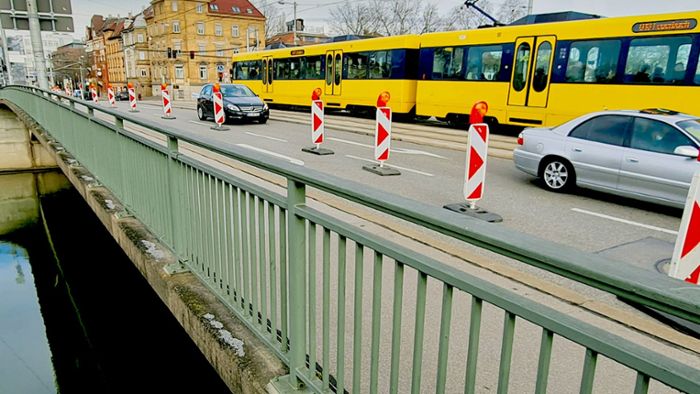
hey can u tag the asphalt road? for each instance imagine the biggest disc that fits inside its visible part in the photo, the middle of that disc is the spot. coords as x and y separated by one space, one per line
586 220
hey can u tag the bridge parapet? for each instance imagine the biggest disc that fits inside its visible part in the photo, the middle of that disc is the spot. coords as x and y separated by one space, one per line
273 257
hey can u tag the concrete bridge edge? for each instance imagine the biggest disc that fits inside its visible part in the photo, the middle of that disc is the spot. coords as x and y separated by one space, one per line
244 369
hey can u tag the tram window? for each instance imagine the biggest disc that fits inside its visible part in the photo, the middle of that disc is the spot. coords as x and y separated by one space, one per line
522 60
249 70
593 61
312 67
544 55
282 69
681 64
356 65
329 69
651 60
379 64
697 73
294 68
447 63
484 63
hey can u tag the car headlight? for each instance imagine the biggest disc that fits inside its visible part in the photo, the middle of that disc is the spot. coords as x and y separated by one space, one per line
265 106
233 107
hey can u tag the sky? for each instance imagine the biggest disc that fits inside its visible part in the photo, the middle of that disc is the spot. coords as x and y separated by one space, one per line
316 12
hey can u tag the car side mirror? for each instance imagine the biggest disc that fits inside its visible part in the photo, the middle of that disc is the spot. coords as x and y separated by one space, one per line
687 151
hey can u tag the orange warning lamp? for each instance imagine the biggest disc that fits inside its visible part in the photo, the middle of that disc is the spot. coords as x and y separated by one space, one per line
316 94
163 86
130 85
217 88
383 99
479 109
109 86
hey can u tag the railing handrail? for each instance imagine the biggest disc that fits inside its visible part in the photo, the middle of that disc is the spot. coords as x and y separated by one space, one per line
629 282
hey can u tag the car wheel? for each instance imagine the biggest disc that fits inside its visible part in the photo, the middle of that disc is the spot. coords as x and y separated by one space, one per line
200 113
558 175
263 120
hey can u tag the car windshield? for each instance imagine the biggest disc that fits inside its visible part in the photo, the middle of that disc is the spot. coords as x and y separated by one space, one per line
236 91
692 127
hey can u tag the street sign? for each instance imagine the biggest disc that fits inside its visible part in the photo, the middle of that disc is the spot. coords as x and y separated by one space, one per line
220 68
685 264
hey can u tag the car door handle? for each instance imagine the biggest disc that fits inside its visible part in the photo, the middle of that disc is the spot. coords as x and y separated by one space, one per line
578 150
633 160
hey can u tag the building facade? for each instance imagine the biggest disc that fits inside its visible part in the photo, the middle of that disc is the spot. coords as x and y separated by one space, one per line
191 42
114 53
136 56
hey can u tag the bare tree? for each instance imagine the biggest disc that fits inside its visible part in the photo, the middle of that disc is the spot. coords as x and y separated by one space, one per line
512 10
430 19
274 18
463 18
353 18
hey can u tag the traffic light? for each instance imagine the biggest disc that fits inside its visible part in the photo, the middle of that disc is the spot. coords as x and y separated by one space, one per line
170 53
175 53
221 76
191 54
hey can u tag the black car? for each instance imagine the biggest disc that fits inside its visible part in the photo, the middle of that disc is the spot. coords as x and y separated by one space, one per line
122 95
239 103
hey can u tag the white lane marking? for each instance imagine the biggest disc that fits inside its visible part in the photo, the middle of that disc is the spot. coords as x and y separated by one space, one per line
613 218
267 152
199 123
264 136
395 150
393 166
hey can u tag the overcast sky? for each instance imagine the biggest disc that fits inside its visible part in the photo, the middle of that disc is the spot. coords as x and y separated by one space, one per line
315 12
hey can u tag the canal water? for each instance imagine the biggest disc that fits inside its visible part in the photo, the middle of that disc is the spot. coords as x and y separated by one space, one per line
75 315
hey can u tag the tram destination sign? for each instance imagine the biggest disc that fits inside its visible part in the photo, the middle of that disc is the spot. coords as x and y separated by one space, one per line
672 25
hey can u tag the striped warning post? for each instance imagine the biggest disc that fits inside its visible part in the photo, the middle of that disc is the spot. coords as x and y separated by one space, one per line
110 96
167 104
317 126
132 97
382 135
219 116
685 263
93 92
477 149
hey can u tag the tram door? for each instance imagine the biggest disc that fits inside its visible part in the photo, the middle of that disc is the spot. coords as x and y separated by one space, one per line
532 70
267 76
334 73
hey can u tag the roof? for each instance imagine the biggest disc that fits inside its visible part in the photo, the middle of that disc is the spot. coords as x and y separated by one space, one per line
148 13
554 17
234 7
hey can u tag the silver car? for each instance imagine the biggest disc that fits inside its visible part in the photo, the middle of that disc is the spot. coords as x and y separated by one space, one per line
649 155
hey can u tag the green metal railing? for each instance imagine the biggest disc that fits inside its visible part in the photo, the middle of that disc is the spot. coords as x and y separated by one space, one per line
289 270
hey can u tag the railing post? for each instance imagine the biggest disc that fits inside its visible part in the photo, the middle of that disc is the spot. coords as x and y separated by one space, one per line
296 229
173 193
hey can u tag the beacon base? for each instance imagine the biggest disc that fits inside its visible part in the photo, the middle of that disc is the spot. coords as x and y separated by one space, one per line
477 213
381 170
167 117
220 128
317 151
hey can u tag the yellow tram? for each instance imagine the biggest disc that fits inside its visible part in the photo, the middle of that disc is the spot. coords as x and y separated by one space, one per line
539 74
350 73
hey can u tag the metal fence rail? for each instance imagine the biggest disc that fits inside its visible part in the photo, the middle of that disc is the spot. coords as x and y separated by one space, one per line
311 286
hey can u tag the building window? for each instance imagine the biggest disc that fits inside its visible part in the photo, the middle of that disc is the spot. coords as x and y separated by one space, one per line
248 10
203 72
177 45
202 48
200 28
218 31
200 8
179 71
219 51
142 55
144 73
174 5
236 50
236 10
214 7
234 31
176 26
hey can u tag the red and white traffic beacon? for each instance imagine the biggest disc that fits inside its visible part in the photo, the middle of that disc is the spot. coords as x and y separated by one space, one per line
219 116
167 103
382 138
132 97
93 93
110 96
685 263
317 125
475 168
